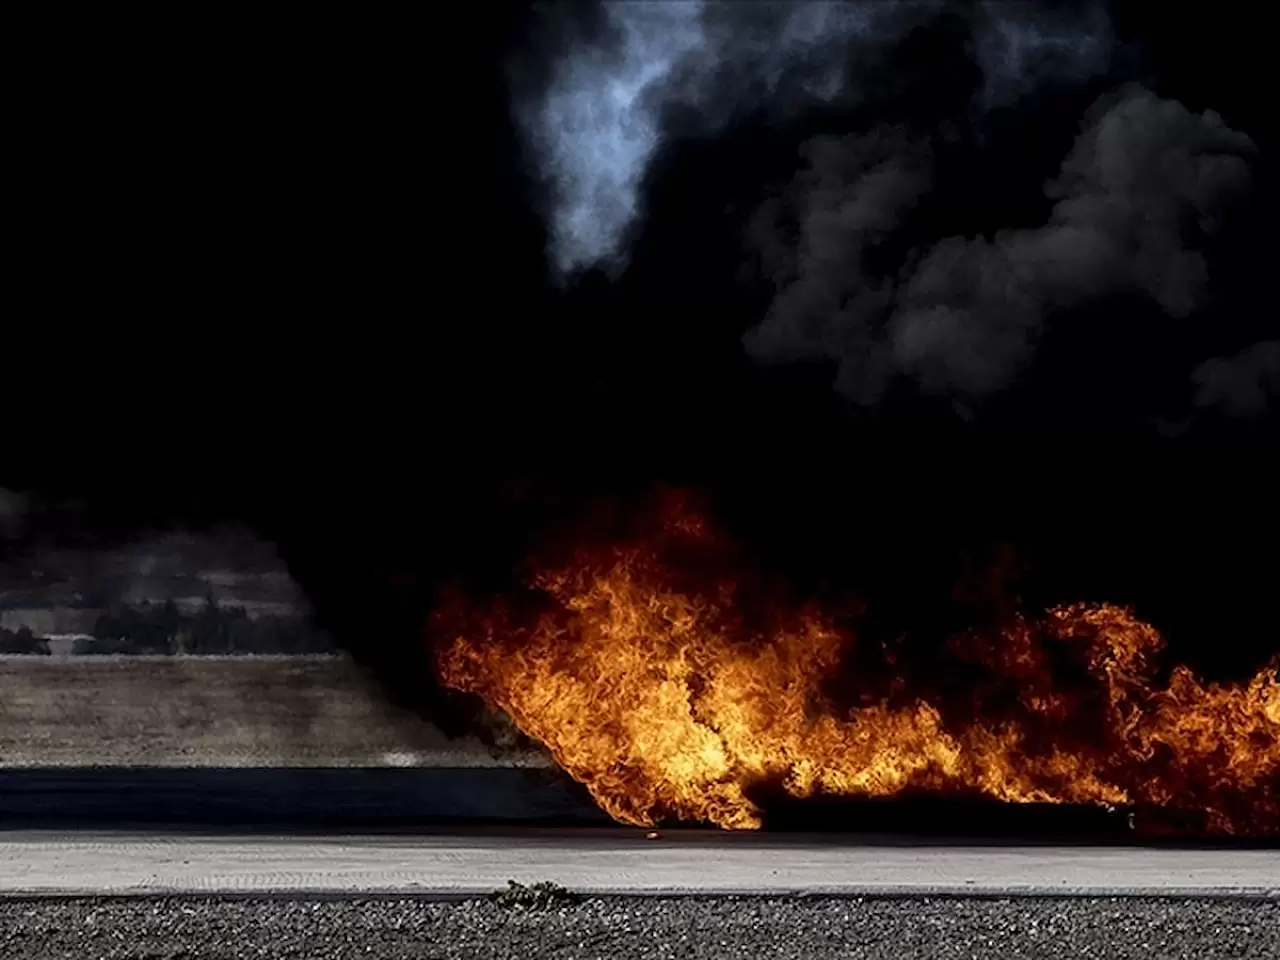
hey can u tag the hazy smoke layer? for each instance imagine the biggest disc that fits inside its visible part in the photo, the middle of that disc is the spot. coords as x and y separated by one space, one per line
1145 182
1020 46
13 509
600 119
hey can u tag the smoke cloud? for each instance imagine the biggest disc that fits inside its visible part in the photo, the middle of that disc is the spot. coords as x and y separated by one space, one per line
1241 386
600 119
1146 183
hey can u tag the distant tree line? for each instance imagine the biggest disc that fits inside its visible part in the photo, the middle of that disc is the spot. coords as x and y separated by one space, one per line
165 628
22 640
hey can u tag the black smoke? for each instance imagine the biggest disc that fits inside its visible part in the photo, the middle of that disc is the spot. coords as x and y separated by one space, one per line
302 275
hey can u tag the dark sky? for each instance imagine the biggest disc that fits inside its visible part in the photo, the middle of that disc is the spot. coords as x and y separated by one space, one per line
302 274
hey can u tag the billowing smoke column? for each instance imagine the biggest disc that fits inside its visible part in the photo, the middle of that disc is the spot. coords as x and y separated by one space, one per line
1146 181
600 119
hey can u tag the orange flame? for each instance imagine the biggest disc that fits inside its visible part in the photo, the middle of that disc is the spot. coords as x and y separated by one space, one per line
670 700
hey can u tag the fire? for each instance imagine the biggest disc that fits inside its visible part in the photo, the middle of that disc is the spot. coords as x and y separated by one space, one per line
670 688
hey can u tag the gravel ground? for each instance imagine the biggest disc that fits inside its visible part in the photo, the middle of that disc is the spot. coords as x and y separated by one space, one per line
622 928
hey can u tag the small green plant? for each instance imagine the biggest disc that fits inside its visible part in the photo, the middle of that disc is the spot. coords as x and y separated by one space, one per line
538 896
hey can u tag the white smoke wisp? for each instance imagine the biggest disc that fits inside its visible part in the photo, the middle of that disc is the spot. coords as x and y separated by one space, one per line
595 130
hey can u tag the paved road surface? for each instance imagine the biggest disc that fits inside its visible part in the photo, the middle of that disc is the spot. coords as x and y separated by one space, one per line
285 799
608 861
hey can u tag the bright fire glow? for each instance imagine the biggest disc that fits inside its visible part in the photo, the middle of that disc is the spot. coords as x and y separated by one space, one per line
668 694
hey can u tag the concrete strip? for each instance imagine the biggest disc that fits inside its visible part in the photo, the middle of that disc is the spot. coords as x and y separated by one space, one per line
608 862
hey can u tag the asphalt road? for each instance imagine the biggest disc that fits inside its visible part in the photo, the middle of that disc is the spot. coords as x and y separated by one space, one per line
607 862
285 799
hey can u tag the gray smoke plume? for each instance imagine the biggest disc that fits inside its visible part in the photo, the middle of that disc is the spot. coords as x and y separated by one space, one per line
598 122
1144 178
1241 386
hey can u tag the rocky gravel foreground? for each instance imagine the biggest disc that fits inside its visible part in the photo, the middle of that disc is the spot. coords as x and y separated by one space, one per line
622 928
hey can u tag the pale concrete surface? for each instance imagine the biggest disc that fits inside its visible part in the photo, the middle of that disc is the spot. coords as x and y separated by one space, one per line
609 861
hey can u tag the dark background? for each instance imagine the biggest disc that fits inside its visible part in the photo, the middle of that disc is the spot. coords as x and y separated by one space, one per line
292 273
